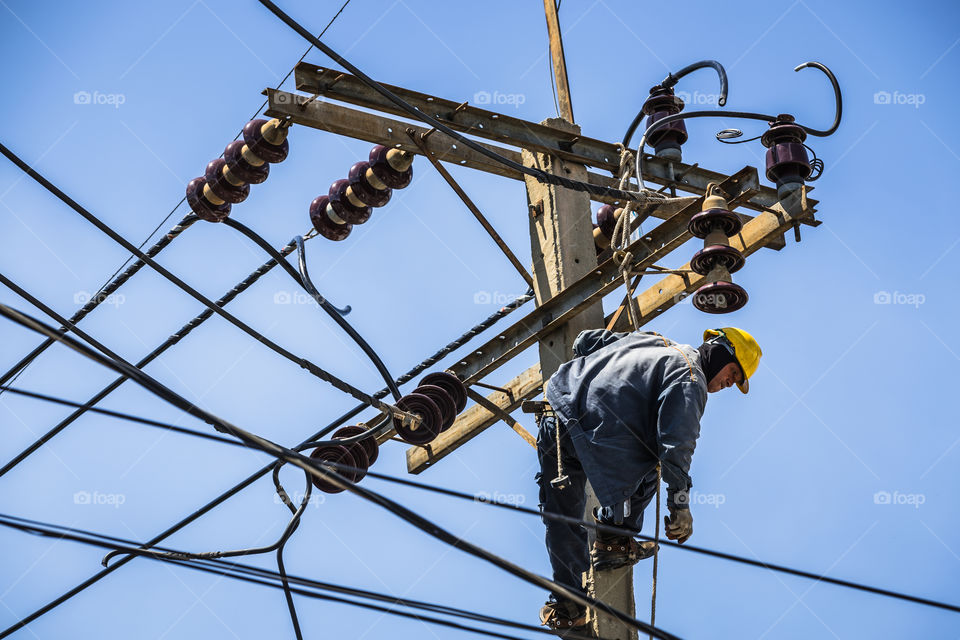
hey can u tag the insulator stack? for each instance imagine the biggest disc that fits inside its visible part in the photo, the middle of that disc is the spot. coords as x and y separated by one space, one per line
715 224
369 184
338 454
227 180
607 217
787 163
360 455
438 400
666 140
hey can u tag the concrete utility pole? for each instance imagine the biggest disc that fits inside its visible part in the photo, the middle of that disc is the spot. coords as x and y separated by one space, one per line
561 236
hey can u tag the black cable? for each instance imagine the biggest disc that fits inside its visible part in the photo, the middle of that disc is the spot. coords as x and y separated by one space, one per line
548 515
174 338
249 480
303 279
673 78
686 547
429 361
14 372
315 370
112 285
416 114
314 468
247 573
473 498
120 415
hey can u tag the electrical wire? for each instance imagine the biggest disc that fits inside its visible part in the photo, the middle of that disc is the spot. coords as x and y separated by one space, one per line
240 486
312 368
111 285
303 279
321 471
246 573
174 338
417 114
618 531
117 414
473 498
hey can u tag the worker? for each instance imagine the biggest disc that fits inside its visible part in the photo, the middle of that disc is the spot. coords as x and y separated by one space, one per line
626 403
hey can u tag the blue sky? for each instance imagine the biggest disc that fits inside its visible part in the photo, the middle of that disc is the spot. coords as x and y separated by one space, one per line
852 398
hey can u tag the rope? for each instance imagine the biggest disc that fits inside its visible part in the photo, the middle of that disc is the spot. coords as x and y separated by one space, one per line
656 556
621 236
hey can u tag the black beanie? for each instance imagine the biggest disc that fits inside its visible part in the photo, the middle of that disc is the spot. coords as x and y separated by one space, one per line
714 357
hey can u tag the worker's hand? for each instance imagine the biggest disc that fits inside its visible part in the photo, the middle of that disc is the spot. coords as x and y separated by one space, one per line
679 526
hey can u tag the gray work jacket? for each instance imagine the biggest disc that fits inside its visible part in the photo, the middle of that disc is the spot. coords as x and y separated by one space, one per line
624 398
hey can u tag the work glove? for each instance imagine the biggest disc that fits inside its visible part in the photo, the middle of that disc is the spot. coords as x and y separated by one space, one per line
679 526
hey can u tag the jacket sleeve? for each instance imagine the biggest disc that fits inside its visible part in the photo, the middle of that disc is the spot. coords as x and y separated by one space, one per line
680 408
594 339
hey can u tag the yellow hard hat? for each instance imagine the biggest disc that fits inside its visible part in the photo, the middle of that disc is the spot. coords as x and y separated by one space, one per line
745 350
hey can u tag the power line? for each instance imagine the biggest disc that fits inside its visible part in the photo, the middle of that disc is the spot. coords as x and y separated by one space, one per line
174 338
718 554
684 547
111 285
474 498
118 414
232 491
310 466
286 455
312 368
303 279
244 572
200 319
417 114
14 372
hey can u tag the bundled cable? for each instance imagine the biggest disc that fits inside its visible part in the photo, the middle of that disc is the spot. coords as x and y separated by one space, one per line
107 358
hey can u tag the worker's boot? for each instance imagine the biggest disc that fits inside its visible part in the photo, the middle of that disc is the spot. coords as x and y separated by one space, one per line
611 551
563 616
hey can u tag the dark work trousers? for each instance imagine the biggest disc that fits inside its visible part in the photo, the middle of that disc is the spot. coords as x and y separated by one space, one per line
567 543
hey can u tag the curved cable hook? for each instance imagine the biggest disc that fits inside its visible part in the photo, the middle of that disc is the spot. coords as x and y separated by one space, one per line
673 78
671 81
838 98
288 531
308 286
